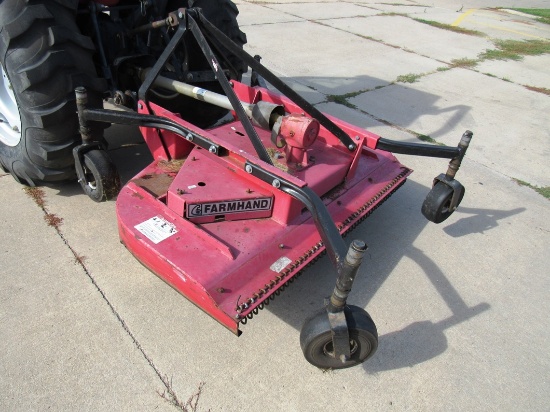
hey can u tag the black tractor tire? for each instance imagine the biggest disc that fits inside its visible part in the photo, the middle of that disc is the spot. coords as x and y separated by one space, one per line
44 57
222 14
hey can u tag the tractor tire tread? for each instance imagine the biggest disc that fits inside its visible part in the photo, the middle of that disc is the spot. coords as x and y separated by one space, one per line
46 57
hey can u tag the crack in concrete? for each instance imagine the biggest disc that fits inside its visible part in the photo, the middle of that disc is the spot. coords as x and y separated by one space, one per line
379 119
37 194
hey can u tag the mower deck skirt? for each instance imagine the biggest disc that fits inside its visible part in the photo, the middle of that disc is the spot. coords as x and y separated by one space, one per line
230 267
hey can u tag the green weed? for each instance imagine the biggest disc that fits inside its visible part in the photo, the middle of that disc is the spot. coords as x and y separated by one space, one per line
408 78
456 29
340 99
542 14
516 49
428 139
391 13
464 63
544 191
343 98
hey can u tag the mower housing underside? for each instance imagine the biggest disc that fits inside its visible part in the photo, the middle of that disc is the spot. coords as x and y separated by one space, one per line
228 240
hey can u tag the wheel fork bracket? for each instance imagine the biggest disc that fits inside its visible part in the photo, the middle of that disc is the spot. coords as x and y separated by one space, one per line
90 139
340 335
455 185
337 302
448 178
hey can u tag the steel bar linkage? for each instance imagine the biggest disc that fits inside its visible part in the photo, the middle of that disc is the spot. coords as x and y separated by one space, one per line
346 261
224 83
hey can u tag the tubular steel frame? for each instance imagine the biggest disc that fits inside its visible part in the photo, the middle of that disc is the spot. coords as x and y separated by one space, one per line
346 268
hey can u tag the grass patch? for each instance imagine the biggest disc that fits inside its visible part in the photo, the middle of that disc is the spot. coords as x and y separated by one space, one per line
343 98
391 13
544 191
542 14
340 99
499 55
456 29
539 90
407 5
428 139
369 38
516 49
378 41
464 63
408 78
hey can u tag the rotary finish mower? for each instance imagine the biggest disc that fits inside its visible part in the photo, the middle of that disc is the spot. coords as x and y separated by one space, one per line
229 215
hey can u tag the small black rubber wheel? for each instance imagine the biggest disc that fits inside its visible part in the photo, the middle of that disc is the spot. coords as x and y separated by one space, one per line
316 339
436 206
102 181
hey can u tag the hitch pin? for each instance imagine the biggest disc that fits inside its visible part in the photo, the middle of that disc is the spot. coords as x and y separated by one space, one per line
169 21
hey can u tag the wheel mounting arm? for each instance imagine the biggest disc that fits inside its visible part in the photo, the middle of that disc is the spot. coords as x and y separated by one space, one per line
346 264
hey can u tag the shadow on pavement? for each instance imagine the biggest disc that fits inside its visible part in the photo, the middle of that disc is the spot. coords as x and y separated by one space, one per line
410 104
418 342
480 221
390 233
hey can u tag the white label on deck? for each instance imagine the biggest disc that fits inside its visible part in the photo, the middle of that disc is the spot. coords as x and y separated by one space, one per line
280 264
156 229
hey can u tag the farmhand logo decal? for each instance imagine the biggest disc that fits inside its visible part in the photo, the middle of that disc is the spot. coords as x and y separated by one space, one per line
233 206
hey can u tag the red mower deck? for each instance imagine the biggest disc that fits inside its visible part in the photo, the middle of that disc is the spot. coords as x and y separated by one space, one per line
230 214
227 241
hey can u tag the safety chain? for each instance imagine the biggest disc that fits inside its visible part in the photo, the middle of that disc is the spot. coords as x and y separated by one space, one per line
298 262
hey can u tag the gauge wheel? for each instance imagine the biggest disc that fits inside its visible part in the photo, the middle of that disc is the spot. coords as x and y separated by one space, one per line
437 205
101 181
317 345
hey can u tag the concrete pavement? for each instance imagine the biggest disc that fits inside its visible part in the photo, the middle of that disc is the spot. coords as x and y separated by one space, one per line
460 307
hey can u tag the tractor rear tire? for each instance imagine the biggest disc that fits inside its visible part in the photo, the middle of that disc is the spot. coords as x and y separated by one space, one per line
43 57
